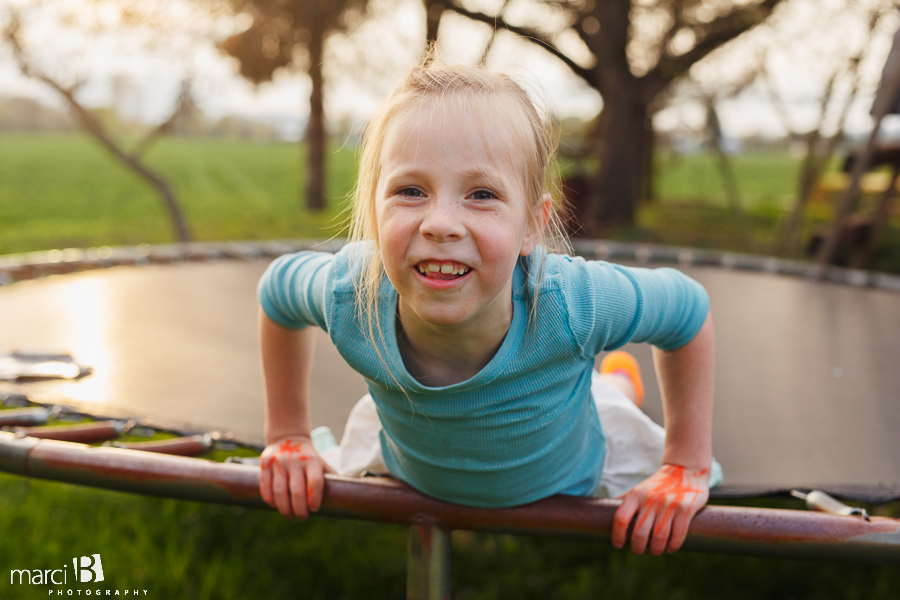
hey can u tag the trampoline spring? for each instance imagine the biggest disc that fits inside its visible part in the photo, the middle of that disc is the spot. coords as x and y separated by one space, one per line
193 445
23 417
85 433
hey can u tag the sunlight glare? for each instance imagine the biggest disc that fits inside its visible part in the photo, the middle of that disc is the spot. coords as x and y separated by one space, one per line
87 318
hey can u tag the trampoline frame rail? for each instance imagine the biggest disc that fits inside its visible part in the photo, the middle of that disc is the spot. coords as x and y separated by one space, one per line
718 529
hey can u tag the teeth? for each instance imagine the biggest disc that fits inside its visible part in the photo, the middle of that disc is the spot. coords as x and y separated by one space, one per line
445 268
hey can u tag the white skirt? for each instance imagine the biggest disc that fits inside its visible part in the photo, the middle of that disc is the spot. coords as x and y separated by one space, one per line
634 443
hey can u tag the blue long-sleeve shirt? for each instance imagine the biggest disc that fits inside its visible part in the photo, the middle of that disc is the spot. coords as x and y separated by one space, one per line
525 427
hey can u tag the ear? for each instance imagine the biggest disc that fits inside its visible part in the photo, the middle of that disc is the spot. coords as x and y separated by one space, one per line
536 228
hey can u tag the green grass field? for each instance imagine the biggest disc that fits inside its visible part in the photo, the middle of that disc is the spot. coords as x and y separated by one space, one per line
765 180
178 549
61 191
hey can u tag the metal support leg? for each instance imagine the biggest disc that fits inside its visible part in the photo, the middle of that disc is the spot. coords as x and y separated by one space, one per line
428 561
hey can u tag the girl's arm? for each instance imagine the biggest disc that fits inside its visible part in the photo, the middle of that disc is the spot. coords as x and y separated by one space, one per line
291 475
666 502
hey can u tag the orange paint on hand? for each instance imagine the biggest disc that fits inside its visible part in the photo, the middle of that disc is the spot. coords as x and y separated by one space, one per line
672 486
289 447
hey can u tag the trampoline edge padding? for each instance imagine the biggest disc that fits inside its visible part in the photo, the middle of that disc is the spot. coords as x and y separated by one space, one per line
17 267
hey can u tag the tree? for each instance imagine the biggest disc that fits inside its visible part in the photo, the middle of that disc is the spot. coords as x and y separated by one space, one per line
434 10
65 81
636 49
859 162
715 137
286 33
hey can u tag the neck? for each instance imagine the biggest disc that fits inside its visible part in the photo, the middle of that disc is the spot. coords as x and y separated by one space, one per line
441 355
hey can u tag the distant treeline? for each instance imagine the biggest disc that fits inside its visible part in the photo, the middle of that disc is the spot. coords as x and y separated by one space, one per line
27 115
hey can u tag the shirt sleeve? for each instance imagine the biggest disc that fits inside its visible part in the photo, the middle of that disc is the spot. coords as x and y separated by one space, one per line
675 307
610 305
293 290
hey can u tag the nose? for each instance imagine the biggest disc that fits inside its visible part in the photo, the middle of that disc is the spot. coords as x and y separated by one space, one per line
443 221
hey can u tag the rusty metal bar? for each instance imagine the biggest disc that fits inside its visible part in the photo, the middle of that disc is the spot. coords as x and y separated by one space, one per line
193 445
427 561
85 433
131 470
721 529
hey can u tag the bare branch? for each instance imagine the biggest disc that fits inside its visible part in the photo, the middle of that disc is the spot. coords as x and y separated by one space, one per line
94 127
566 5
778 104
490 42
719 31
182 105
529 33
677 10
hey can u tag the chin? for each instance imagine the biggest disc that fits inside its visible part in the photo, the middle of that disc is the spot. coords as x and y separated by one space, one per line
443 319
443 316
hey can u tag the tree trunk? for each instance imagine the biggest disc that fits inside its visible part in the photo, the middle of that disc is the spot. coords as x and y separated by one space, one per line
648 175
879 221
826 253
617 187
433 13
133 161
810 172
315 128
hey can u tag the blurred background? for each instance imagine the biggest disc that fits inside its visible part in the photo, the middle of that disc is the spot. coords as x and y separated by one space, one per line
728 124
715 123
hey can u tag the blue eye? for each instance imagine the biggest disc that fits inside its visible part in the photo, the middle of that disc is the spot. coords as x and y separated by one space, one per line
411 192
483 195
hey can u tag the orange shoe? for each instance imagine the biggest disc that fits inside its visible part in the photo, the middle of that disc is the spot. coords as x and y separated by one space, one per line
623 363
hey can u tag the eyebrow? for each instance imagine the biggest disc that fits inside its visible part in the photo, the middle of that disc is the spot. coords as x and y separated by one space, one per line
402 173
477 174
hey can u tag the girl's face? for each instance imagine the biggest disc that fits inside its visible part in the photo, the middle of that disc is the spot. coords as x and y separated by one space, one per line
452 214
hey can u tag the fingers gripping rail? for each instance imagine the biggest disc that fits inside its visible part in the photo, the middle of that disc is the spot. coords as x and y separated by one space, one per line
721 529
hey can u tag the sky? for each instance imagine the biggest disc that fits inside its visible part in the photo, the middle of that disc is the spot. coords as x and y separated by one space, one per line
140 73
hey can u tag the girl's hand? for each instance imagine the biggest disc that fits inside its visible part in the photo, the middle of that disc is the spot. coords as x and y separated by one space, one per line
292 476
664 503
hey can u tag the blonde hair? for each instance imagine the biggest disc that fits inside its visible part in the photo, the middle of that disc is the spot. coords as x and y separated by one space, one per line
467 88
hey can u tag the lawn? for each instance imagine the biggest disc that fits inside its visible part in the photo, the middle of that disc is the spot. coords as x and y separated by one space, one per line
59 191
765 179
63 191
177 549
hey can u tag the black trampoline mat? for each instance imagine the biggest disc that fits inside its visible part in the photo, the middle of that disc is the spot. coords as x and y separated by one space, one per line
807 373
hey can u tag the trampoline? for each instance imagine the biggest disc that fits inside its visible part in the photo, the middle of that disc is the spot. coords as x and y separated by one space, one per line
807 373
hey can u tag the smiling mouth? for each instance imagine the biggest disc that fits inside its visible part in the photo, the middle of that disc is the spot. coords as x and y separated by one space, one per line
442 271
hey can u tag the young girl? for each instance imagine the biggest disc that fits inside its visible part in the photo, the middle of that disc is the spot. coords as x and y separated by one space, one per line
477 344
